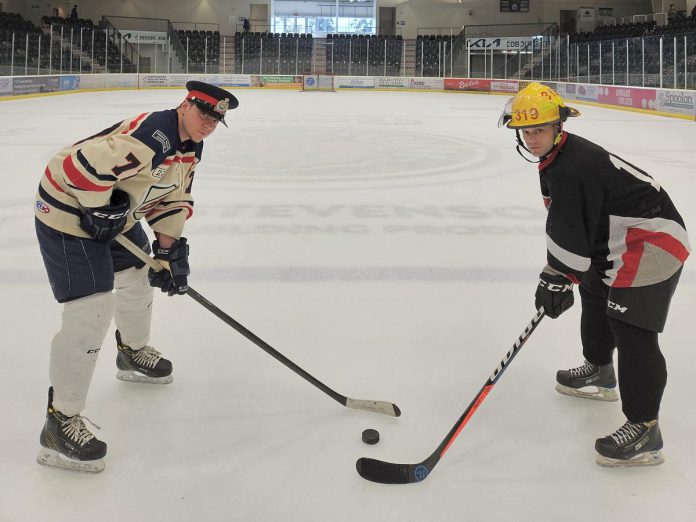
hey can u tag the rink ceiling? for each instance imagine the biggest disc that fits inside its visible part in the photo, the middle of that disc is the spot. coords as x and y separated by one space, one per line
389 244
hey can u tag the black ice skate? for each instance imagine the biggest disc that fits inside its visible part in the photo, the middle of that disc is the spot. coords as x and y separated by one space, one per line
144 365
68 444
588 381
633 444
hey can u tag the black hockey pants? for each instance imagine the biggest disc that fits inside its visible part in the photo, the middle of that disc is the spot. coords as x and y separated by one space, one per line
642 372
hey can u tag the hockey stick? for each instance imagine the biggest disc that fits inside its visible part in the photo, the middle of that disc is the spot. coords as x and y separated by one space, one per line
387 408
389 473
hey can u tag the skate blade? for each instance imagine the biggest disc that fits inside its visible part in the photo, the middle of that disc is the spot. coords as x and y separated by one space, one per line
649 458
132 376
53 459
602 394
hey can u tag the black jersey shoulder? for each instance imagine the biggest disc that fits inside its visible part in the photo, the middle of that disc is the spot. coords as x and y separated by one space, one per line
580 159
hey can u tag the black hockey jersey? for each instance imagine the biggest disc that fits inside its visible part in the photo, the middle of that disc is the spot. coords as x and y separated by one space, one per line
143 156
607 214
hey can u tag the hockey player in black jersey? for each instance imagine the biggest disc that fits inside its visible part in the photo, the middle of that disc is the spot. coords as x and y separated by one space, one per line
614 231
140 169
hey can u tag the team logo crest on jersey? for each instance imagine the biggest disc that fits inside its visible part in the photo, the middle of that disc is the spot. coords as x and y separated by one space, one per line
162 138
42 207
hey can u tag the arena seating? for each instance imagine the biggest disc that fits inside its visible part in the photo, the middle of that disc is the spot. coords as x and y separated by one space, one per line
273 53
50 53
203 49
431 53
363 54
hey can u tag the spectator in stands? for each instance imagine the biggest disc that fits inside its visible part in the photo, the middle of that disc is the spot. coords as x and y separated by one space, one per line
672 13
247 25
73 15
693 13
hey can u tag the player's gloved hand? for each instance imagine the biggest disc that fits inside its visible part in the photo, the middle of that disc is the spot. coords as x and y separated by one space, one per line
554 293
105 223
173 279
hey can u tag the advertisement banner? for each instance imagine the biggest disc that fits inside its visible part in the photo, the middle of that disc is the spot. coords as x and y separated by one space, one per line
586 14
391 82
566 90
426 84
354 82
179 80
233 80
506 86
5 86
587 92
35 84
276 82
467 84
520 43
154 80
121 80
69 82
92 81
628 97
677 102
145 37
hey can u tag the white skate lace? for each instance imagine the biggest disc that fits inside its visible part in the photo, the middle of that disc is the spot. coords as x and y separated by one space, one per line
147 356
74 427
584 370
626 433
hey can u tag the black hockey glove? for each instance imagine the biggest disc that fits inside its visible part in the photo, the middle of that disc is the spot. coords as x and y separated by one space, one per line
554 293
173 279
105 223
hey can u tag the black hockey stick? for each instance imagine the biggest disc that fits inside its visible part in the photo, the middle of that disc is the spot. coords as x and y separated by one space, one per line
387 408
389 473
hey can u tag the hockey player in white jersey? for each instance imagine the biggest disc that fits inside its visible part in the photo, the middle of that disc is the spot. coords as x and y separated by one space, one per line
140 168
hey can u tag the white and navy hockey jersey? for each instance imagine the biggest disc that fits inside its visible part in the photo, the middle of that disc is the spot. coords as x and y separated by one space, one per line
607 214
143 156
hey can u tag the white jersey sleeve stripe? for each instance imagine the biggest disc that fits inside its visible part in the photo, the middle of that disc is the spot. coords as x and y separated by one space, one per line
571 260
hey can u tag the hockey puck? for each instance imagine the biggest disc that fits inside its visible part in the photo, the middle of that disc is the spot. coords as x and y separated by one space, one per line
370 436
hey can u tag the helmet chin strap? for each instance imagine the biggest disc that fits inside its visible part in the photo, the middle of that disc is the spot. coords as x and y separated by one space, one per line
520 144
556 140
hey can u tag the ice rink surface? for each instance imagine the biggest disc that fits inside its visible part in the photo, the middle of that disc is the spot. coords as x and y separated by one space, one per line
388 243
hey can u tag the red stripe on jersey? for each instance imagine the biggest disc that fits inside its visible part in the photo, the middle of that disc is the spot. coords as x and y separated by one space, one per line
179 159
134 123
78 179
635 241
572 278
49 177
202 96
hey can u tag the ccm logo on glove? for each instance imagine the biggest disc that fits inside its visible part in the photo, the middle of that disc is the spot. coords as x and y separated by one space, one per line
554 293
105 223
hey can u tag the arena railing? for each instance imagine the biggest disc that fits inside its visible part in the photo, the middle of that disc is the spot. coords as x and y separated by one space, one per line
667 60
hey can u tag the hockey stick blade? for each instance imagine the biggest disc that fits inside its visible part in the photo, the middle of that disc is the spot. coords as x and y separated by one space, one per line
390 473
385 408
